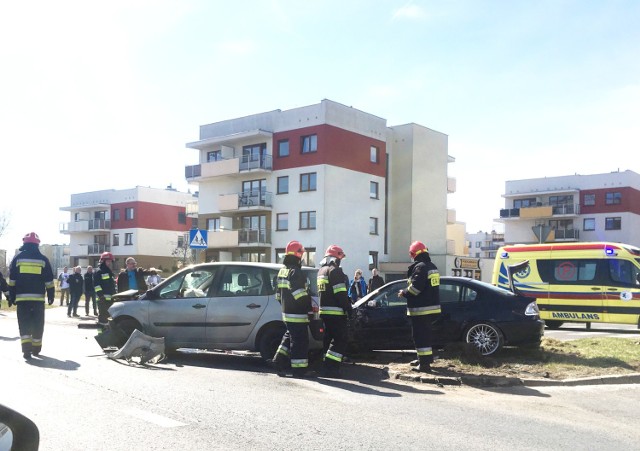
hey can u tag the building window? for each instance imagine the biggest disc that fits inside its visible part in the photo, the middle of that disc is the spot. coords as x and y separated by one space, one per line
116 214
215 155
283 148
213 224
613 198
308 258
253 152
373 190
283 185
128 239
524 203
373 226
373 154
282 221
128 214
613 223
182 218
589 224
373 260
478 244
116 239
307 220
308 182
181 241
309 143
589 199
561 200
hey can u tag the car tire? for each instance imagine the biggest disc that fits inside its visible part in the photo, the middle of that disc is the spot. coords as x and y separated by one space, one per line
128 325
553 324
269 341
486 338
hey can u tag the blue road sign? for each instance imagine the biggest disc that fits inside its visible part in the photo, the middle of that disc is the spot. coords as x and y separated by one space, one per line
198 239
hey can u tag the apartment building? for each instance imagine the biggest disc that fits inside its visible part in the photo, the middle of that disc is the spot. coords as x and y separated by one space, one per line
322 174
146 223
598 207
484 244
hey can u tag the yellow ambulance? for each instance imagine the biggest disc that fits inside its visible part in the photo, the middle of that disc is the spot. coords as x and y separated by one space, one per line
576 282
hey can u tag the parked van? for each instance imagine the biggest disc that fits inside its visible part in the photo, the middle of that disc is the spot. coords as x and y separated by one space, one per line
576 282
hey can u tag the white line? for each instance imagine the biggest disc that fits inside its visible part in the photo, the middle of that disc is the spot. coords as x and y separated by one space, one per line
153 418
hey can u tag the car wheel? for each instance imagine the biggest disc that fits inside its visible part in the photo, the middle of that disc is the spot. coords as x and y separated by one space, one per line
269 341
486 338
127 326
553 324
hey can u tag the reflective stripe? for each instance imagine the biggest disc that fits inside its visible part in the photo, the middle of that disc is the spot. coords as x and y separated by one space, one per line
25 339
283 350
424 351
334 355
417 311
299 293
434 278
413 290
30 266
30 297
295 318
299 363
332 311
49 284
322 282
337 288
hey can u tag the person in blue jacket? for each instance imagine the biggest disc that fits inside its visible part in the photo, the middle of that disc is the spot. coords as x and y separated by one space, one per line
358 287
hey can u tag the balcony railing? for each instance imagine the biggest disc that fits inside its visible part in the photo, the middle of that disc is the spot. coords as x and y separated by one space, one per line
567 234
255 198
97 249
566 209
253 236
99 224
249 162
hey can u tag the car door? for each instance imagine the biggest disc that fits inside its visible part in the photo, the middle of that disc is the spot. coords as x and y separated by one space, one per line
381 321
179 312
621 291
460 305
239 300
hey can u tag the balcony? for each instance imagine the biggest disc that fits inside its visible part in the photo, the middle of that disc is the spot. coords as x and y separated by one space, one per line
540 211
92 249
567 234
91 225
239 238
229 167
246 200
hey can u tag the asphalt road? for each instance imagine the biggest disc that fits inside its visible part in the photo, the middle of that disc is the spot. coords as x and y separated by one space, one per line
574 331
81 400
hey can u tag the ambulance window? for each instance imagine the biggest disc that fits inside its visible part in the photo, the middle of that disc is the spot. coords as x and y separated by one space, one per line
568 271
623 272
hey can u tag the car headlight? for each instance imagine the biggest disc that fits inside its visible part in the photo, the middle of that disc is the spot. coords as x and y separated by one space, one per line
532 309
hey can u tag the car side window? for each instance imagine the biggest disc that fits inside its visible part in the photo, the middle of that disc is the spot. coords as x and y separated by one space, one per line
242 281
388 297
194 284
623 273
469 295
449 293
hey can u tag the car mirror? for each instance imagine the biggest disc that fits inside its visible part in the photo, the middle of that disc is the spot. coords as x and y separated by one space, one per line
17 431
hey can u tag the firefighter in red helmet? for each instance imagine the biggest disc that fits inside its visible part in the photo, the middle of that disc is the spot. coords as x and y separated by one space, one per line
335 309
104 282
30 279
292 356
423 302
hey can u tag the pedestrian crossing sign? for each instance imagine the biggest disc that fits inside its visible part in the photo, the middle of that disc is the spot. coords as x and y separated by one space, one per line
198 239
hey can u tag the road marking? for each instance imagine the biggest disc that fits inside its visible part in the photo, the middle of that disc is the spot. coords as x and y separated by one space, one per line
158 420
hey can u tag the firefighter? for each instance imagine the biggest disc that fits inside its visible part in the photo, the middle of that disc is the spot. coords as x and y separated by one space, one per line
30 278
423 303
335 309
292 356
105 285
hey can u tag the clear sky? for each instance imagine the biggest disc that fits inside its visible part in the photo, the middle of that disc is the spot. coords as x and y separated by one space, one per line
101 95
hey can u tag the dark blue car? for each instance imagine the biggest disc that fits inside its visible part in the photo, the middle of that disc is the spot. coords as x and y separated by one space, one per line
474 312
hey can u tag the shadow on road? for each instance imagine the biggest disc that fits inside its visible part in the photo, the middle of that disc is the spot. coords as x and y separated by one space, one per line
44 361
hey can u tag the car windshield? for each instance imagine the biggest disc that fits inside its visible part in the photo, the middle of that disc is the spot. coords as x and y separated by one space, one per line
189 284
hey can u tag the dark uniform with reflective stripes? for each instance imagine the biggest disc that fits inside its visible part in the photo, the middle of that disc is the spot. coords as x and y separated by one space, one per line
292 293
423 305
335 309
30 277
104 283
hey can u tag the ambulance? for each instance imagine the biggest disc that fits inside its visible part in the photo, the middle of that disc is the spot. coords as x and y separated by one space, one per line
595 282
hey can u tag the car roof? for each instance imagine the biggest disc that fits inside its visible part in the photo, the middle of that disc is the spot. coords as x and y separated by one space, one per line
255 264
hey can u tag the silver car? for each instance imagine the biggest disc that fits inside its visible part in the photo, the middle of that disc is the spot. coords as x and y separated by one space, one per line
214 306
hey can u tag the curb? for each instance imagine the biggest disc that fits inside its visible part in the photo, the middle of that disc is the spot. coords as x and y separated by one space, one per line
504 381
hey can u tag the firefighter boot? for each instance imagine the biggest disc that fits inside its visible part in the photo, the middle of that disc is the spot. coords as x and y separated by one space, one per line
281 364
424 365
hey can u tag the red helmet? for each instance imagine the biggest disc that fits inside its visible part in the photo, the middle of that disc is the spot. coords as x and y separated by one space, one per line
417 248
106 256
295 248
335 251
31 237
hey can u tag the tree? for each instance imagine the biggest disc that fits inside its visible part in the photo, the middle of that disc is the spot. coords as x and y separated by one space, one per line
183 253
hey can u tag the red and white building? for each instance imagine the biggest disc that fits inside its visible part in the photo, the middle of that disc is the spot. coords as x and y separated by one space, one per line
148 224
322 174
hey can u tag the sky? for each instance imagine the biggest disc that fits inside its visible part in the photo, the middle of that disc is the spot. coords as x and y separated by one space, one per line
105 95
